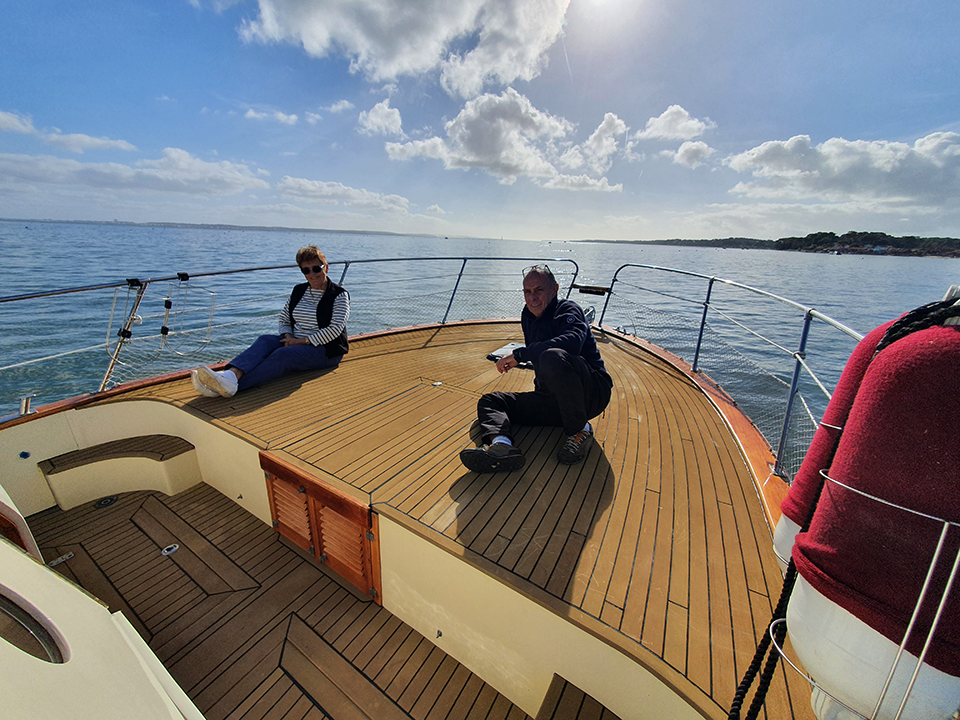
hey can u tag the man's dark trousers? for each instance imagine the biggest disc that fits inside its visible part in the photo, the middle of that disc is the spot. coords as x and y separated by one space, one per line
568 393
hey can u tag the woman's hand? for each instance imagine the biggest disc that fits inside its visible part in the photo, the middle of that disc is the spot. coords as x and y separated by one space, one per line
288 340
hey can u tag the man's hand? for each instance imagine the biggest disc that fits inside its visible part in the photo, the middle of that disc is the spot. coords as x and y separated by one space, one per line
507 362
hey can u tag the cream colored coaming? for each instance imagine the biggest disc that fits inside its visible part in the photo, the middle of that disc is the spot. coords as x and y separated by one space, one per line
513 643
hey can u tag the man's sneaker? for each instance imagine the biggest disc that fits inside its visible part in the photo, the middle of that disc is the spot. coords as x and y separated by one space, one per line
492 458
199 386
218 381
575 448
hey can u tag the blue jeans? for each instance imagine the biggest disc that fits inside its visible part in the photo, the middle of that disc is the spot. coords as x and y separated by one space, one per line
267 359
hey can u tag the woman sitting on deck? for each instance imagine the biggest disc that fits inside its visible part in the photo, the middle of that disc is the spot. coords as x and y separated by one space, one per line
312 335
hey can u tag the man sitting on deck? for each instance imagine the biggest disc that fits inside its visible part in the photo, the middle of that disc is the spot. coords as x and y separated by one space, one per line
570 387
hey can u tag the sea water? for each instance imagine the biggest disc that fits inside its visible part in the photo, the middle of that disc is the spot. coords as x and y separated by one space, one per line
860 291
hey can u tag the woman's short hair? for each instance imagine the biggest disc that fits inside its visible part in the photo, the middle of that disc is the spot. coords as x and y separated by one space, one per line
311 252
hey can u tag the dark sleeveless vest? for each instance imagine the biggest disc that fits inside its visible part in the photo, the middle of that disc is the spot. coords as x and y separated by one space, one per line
336 347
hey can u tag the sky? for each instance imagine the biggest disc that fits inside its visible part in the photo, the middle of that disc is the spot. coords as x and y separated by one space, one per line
522 119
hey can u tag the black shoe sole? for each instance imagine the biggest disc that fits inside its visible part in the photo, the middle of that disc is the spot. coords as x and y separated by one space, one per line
570 459
480 461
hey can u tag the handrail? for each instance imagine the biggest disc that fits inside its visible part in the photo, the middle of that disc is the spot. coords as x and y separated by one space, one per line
798 356
439 286
712 278
114 346
214 273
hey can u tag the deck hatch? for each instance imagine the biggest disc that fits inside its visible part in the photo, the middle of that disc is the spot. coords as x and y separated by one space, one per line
336 529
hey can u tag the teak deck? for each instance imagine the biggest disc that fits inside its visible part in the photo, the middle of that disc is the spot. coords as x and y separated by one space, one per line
656 543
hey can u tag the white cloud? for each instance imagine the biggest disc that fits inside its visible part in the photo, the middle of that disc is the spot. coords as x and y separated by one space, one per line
503 135
177 171
692 153
674 124
75 142
334 193
435 210
581 182
838 170
339 106
514 37
313 118
381 120
11 122
631 154
601 146
276 115
78 143
572 158
386 39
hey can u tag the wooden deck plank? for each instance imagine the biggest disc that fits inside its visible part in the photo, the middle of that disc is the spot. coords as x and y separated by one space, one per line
406 667
330 680
636 439
265 687
417 678
221 697
584 498
372 632
192 669
428 698
506 509
548 536
384 637
199 558
604 553
390 658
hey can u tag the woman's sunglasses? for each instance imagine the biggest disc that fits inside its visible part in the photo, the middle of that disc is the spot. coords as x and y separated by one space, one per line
316 270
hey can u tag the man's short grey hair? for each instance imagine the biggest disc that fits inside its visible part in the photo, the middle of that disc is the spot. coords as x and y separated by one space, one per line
541 270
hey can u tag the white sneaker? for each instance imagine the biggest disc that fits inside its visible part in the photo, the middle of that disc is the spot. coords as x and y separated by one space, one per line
218 381
199 386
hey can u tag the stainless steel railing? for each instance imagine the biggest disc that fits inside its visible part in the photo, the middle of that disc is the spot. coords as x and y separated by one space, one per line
716 341
195 324
755 344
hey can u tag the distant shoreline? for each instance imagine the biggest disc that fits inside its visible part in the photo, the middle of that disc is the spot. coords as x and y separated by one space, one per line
205 226
851 243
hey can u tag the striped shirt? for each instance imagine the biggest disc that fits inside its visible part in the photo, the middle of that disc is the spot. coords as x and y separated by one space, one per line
305 318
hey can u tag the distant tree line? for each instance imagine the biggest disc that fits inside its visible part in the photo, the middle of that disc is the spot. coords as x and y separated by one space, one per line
854 243
731 242
870 243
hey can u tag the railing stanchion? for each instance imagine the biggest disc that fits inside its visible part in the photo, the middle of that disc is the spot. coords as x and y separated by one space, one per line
124 333
606 300
794 383
454 293
703 324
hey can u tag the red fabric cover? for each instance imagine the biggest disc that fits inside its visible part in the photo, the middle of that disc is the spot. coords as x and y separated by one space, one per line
803 489
900 443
